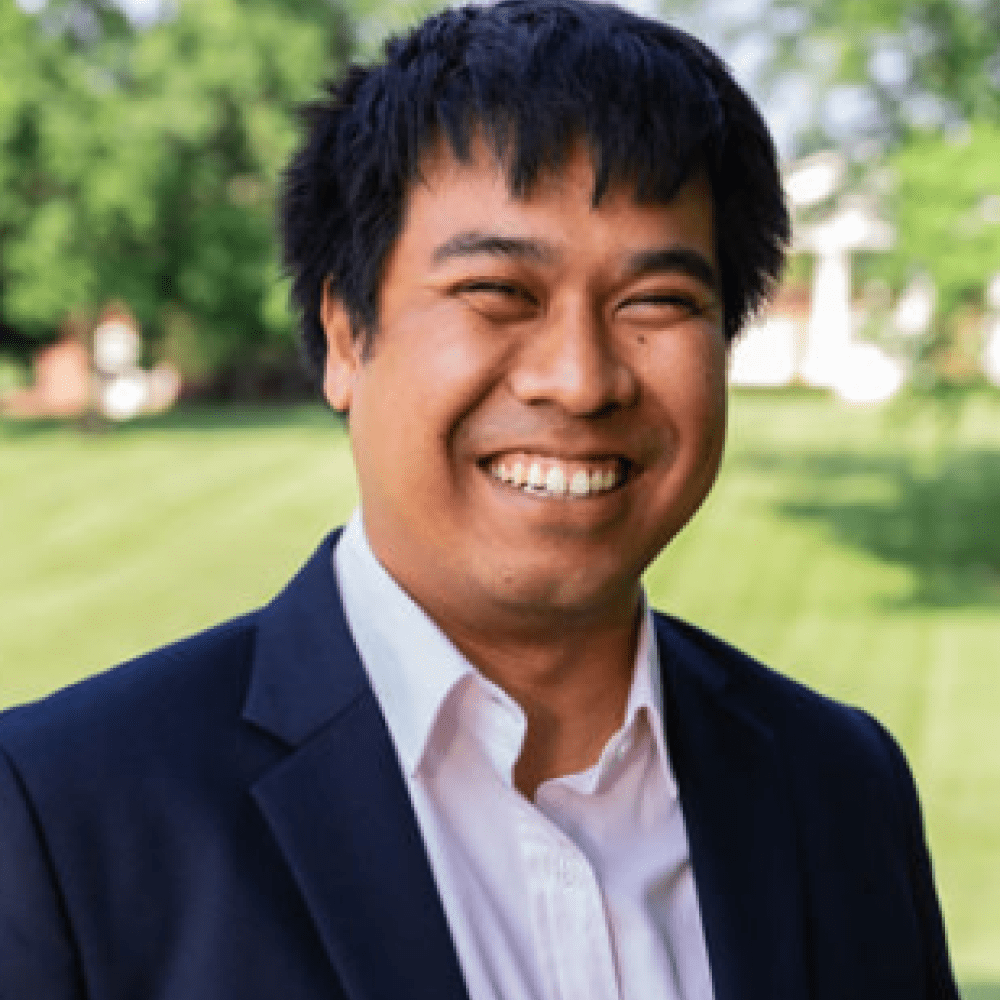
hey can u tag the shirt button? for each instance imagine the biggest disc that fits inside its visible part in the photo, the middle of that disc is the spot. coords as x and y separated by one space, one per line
566 874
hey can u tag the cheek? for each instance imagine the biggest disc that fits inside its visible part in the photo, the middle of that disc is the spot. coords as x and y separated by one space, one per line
708 414
410 406
715 396
390 433
690 383
453 370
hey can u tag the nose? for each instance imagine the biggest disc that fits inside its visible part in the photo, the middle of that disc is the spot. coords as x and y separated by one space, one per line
571 361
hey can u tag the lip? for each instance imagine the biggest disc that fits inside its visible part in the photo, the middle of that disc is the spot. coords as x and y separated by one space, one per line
566 456
624 468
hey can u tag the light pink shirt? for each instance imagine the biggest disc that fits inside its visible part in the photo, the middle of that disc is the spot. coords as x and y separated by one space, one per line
586 893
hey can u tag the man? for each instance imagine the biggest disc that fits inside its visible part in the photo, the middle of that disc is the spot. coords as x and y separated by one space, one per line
459 755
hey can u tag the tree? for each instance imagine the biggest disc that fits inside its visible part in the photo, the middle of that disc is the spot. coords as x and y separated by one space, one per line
860 73
141 166
926 63
946 205
910 89
924 79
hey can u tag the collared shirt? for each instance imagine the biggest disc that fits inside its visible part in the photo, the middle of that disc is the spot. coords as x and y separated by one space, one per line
585 893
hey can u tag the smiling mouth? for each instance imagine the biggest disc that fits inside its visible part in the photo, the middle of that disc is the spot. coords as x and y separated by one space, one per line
552 477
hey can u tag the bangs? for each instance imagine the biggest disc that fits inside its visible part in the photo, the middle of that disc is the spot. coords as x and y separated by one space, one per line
532 100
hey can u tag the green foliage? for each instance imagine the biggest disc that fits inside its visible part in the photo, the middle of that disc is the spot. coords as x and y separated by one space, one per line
375 19
919 63
912 86
952 45
141 166
938 131
946 206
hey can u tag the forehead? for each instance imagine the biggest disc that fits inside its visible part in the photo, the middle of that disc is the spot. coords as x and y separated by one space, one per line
453 194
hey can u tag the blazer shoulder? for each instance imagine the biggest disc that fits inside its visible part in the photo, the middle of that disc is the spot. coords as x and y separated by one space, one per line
130 704
826 731
856 807
175 709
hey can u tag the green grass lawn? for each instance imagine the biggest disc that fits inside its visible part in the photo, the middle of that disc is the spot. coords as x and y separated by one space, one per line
853 549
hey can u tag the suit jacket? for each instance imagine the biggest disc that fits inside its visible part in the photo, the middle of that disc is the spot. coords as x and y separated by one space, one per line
226 818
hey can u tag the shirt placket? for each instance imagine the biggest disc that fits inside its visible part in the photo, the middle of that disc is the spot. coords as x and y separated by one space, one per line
569 922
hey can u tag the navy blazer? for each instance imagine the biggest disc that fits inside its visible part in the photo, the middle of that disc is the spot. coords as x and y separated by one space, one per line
226 818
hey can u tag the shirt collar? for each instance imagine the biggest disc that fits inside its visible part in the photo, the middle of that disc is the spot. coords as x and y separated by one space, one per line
643 709
411 663
647 691
413 666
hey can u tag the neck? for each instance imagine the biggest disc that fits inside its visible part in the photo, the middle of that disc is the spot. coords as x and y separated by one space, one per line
572 685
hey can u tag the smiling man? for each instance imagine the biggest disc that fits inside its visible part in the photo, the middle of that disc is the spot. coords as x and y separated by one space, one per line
541 410
460 756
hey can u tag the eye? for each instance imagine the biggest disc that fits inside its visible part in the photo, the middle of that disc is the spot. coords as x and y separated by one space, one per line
497 299
663 308
489 287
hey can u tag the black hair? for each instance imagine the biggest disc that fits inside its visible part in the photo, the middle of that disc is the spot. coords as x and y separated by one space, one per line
531 77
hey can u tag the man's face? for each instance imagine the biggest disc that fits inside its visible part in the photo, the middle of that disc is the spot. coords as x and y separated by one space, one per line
543 407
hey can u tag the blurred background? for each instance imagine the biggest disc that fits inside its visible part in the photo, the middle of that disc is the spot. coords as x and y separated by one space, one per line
164 463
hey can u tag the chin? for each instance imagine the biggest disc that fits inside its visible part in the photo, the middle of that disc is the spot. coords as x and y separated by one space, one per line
541 593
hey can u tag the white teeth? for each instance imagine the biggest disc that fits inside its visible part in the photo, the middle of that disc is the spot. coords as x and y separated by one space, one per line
555 481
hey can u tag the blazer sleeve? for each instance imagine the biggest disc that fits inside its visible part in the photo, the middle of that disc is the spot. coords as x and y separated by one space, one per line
38 957
938 975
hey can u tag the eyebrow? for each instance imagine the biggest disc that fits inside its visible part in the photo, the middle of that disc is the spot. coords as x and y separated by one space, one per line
662 260
474 244
677 259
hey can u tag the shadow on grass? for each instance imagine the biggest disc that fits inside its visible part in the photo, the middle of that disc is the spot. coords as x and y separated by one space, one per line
205 417
941 524
198 417
980 991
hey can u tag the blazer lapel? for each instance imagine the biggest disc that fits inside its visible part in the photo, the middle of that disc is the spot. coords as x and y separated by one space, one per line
338 805
740 825
340 812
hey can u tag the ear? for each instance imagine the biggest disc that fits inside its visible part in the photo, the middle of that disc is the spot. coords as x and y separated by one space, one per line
343 354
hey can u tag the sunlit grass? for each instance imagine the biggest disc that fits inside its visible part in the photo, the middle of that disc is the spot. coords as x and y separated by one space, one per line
858 551
853 549
117 541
